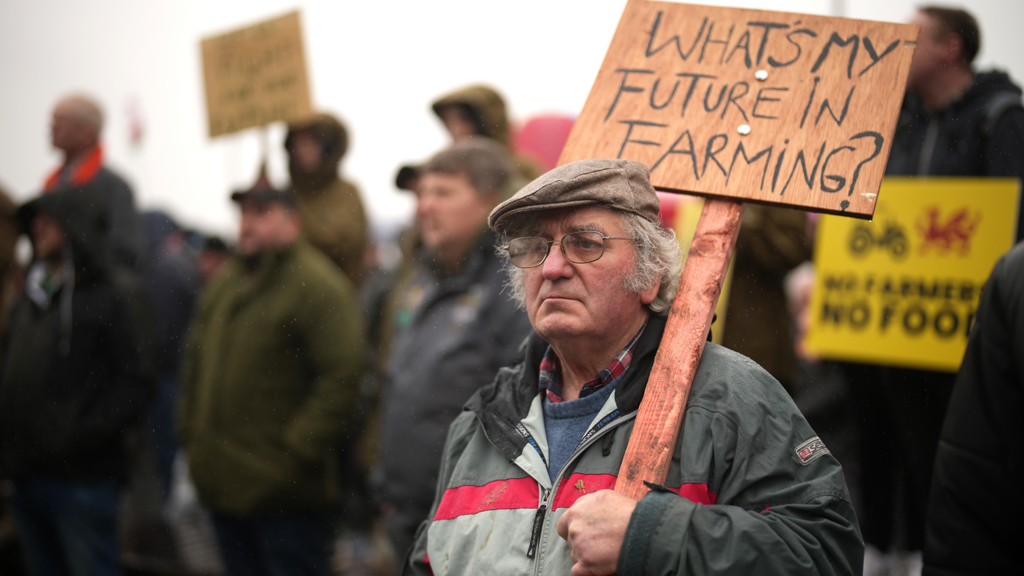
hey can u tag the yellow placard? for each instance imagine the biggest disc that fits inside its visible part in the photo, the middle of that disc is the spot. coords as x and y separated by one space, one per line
903 289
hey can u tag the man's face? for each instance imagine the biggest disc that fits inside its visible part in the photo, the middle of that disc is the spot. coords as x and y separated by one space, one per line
566 301
450 213
265 226
458 122
307 151
933 53
47 237
67 130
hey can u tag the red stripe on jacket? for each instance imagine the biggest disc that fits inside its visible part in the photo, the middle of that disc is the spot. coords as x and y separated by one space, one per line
497 495
577 485
696 493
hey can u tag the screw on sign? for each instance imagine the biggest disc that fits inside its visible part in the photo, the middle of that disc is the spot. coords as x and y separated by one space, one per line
816 119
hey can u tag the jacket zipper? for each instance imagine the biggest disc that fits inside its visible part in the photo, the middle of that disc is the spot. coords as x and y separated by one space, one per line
538 522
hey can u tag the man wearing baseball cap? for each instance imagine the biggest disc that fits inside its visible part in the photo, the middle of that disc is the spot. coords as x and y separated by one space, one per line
528 467
269 381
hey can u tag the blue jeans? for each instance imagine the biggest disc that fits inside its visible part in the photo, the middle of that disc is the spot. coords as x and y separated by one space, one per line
279 545
68 528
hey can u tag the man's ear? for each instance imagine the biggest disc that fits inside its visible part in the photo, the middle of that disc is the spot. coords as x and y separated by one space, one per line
649 295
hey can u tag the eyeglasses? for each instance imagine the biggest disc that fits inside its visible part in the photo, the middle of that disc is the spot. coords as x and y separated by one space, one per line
578 248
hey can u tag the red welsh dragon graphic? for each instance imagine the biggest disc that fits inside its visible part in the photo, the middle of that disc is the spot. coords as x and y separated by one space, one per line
945 236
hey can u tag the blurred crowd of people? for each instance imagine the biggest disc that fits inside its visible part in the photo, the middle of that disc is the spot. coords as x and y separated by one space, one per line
303 394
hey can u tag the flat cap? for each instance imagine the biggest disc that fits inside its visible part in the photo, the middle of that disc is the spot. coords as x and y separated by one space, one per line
620 184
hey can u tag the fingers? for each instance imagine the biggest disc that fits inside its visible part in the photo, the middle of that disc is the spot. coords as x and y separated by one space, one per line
563 526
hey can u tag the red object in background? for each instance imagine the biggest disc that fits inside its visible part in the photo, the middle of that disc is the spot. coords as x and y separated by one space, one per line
669 203
542 138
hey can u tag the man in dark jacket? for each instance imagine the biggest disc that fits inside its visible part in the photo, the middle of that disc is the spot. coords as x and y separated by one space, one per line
527 465
453 327
75 131
954 122
268 386
981 438
77 371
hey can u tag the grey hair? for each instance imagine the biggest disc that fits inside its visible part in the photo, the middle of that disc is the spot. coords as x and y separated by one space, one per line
657 253
483 161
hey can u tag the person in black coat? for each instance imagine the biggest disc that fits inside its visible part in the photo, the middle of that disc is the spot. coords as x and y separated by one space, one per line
77 372
974 514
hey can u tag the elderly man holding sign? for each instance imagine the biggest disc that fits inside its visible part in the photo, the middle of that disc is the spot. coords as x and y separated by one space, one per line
612 392
526 469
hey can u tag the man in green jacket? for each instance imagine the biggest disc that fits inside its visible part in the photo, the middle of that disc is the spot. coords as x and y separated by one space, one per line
268 384
527 467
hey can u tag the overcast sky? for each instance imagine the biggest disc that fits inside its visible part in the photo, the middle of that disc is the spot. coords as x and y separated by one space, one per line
377 65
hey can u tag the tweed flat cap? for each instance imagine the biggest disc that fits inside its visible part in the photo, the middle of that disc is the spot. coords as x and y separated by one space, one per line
620 184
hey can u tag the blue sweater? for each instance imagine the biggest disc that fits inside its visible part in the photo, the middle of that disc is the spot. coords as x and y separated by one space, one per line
565 423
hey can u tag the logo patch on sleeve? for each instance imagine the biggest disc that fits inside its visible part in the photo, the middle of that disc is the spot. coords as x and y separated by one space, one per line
811 450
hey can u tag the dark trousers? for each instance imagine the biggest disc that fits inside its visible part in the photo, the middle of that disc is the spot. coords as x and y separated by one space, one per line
274 545
160 420
900 414
68 528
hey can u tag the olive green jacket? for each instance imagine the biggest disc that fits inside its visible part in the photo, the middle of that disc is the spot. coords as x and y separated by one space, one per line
269 382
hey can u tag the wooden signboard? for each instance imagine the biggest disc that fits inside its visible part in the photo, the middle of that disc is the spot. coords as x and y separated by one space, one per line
255 75
737 105
761 106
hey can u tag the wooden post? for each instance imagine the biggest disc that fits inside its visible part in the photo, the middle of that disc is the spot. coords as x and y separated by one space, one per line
661 412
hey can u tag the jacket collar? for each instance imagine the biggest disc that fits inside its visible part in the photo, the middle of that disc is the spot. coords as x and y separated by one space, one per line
503 403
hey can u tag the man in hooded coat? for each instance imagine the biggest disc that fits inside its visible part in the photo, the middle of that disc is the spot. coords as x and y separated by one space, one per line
480 111
333 219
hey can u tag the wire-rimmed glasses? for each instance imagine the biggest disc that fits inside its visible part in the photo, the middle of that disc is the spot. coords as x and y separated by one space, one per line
578 247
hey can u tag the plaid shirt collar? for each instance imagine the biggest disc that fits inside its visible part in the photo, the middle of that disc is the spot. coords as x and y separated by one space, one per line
551 371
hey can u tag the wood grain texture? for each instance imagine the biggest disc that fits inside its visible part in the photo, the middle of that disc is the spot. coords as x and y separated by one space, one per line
661 412
680 80
255 75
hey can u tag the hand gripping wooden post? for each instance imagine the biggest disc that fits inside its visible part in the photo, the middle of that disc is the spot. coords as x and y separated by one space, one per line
737 105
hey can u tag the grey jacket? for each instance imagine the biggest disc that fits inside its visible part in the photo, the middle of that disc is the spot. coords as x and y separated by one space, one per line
451 336
750 490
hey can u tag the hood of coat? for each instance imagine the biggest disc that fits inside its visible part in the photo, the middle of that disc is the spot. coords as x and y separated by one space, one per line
985 86
82 211
333 136
987 83
486 106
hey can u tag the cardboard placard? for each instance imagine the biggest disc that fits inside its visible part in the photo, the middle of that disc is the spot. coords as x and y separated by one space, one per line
903 290
820 96
255 75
